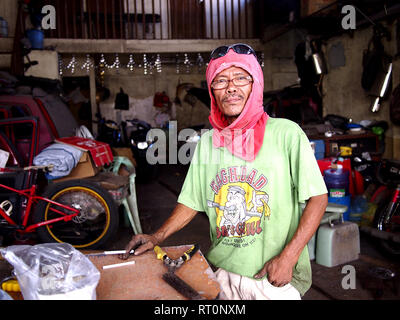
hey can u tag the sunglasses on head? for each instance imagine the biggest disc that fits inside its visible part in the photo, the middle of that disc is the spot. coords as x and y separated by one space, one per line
239 48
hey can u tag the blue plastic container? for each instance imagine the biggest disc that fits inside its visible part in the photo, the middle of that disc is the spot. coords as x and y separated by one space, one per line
359 205
337 182
346 200
319 146
35 37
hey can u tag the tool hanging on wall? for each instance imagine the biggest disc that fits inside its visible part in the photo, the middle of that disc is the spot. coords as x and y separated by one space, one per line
122 100
376 77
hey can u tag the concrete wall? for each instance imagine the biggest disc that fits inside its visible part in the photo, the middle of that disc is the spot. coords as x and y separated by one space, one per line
280 70
141 88
342 90
8 11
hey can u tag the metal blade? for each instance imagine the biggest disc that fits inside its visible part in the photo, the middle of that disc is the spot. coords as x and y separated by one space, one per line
181 286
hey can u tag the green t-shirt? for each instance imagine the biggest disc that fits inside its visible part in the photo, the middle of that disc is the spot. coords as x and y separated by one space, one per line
254 207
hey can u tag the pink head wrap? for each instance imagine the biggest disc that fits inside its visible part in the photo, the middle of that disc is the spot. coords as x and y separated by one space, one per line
244 137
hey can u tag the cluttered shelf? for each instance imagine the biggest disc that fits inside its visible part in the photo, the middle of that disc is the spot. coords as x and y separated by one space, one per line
358 143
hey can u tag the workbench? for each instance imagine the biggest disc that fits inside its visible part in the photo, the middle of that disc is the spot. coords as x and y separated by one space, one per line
143 279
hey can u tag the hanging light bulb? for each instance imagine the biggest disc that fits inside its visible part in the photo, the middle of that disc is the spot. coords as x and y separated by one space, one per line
262 62
177 62
88 64
60 65
72 65
158 64
116 64
186 62
151 64
102 68
131 64
199 62
104 62
145 64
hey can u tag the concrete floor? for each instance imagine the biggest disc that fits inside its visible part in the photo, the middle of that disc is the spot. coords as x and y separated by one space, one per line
157 198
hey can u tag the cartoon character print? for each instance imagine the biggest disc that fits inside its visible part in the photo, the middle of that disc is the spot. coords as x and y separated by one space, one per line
239 209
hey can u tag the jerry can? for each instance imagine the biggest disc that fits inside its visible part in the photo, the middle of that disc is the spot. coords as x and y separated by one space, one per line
337 243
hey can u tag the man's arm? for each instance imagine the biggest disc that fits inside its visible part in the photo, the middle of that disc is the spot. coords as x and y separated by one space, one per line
280 268
179 218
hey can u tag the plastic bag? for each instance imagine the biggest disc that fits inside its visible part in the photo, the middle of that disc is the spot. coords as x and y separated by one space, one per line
53 271
4 295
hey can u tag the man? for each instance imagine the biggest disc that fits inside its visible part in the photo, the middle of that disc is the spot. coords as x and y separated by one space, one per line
251 195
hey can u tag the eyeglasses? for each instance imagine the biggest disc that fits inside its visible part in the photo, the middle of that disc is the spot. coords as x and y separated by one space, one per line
239 48
238 82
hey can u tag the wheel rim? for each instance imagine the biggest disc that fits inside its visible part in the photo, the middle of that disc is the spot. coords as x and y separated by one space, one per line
86 229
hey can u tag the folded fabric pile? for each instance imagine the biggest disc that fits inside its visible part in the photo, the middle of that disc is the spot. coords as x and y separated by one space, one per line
63 158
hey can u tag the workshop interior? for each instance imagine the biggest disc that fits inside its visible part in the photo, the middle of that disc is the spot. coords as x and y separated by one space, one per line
102 104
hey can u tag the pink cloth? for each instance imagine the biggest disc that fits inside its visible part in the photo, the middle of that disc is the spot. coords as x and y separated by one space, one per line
244 137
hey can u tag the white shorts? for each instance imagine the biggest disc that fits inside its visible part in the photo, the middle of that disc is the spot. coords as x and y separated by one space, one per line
236 287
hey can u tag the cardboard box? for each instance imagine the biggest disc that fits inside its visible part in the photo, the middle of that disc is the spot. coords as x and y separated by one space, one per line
309 7
124 152
85 168
100 151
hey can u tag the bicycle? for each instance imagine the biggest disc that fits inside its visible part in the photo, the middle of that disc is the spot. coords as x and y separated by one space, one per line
73 211
387 216
386 223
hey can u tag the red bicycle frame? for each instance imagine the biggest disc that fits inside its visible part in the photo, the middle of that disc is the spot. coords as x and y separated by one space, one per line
30 194
395 203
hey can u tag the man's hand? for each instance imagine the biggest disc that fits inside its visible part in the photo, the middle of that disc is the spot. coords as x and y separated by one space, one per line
141 243
279 271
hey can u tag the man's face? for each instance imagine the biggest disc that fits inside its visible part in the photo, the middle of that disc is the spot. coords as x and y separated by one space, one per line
232 99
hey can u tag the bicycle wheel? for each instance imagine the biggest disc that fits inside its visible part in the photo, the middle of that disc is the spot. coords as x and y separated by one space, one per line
94 226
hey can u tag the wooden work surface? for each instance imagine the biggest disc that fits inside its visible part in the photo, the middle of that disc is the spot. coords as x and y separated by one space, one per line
143 280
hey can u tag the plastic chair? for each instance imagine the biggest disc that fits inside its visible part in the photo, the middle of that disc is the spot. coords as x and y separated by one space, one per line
130 202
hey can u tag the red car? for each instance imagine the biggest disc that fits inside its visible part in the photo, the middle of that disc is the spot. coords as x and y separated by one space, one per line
27 126
54 120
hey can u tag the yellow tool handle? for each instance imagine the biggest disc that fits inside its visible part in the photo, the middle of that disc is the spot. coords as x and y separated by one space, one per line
11 286
159 253
190 253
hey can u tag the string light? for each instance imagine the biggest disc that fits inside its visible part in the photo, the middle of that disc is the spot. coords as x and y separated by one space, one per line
60 65
177 62
116 65
149 64
102 67
88 64
262 60
186 62
131 64
145 64
72 65
200 62
158 64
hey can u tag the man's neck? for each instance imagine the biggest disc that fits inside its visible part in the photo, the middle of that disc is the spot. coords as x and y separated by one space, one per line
231 120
